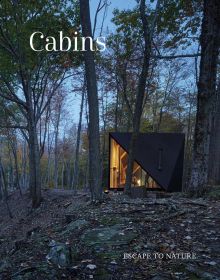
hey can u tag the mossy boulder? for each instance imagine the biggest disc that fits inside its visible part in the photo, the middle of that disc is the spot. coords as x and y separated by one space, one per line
59 254
114 235
75 225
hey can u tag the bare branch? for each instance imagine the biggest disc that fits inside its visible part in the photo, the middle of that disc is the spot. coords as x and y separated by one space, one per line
14 126
177 56
99 8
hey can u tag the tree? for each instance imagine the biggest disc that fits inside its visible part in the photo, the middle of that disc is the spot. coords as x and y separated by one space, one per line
3 189
57 105
147 34
27 79
214 156
76 160
92 92
206 93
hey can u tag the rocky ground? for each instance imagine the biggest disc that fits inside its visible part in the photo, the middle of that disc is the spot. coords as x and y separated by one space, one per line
171 237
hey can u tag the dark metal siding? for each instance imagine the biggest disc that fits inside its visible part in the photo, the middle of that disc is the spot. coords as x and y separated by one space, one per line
169 176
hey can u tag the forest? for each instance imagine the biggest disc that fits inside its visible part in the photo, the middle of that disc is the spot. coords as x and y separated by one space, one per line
71 73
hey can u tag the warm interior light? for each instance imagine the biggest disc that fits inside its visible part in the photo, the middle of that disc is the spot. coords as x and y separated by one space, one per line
118 169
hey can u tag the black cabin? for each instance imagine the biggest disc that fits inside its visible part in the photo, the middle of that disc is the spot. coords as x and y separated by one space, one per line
158 160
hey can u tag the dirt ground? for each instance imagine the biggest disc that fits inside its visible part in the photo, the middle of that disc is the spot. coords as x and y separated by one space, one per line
67 237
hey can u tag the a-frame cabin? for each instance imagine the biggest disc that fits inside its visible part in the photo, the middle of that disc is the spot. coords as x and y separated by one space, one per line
158 161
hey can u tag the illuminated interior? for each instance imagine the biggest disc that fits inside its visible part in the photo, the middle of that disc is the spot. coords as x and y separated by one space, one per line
118 166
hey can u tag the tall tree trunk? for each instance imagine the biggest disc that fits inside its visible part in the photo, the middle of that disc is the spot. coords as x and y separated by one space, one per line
10 175
86 185
14 151
68 172
62 173
1 192
214 157
34 165
140 93
206 92
76 161
104 110
24 177
57 124
91 81
4 189
116 104
188 148
49 148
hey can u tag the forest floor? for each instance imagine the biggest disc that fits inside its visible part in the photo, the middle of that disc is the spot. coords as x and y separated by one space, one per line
67 237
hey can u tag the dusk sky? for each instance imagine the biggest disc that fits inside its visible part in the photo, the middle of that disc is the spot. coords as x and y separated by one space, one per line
119 4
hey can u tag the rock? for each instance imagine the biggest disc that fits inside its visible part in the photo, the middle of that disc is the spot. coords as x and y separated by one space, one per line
91 266
52 243
212 263
172 208
188 237
75 225
86 261
110 236
59 254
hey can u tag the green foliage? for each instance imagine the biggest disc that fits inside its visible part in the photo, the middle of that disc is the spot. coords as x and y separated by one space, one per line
178 23
19 19
146 126
128 32
9 113
171 124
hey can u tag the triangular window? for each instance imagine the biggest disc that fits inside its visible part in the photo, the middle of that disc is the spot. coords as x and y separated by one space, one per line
118 167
